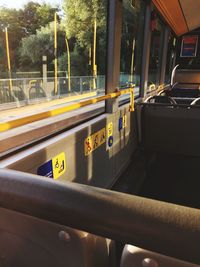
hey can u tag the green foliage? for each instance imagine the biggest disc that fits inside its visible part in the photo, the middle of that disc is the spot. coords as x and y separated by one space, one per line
42 43
9 17
23 23
31 34
131 28
78 63
78 22
79 19
45 14
34 16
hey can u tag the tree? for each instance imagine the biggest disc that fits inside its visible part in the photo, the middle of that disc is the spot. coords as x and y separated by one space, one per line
78 21
10 18
45 14
34 16
37 45
22 23
132 26
78 63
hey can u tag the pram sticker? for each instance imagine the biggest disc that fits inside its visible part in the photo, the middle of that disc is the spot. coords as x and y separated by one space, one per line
95 140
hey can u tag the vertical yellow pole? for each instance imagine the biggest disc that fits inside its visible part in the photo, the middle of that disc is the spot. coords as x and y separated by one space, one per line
132 99
90 64
55 55
69 66
8 60
90 56
94 54
132 60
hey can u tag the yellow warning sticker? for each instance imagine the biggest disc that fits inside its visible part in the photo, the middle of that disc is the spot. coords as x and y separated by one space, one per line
94 141
109 129
59 165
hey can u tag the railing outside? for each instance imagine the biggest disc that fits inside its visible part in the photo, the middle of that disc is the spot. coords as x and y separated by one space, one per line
28 90
31 90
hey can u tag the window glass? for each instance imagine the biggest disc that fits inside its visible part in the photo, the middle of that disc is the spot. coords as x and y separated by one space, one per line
51 49
170 58
157 34
132 43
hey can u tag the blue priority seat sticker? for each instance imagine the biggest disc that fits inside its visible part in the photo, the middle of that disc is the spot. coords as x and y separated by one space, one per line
110 134
122 122
110 141
46 169
53 168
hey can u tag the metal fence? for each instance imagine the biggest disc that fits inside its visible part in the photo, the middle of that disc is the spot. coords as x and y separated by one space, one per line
28 90
38 89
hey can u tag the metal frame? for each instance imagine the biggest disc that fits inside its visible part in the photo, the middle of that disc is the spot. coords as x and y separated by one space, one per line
164 55
146 51
113 51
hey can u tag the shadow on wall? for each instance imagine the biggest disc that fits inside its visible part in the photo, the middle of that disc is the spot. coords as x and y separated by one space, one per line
106 162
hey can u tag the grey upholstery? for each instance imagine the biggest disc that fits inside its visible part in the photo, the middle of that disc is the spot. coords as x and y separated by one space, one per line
28 242
166 228
136 257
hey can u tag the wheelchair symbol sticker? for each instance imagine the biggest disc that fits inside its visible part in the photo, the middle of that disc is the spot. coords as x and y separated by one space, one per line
59 165
53 168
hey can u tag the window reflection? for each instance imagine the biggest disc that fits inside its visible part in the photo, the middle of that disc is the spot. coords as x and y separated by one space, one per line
132 43
157 28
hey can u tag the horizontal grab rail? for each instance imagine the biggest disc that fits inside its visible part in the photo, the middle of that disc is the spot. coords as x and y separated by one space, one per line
4 126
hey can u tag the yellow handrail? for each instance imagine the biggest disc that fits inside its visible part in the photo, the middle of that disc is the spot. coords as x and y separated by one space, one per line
4 126
152 87
160 87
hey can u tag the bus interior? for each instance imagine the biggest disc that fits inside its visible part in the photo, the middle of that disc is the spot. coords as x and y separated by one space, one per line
125 187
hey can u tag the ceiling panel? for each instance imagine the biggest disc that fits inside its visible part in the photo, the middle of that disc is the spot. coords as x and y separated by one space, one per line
191 11
172 12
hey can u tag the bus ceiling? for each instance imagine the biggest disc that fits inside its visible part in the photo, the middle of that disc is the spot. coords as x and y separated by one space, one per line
181 15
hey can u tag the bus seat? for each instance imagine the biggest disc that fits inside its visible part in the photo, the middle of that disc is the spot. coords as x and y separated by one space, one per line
186 85
196 102
162 99
28 241
162 129
136 257
183 92
184 100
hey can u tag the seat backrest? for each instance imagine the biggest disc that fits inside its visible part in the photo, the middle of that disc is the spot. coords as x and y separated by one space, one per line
173 130
27 241
183 92
187 76
136 257
162 99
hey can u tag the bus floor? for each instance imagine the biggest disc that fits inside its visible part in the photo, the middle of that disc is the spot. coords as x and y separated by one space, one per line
174 179
164 177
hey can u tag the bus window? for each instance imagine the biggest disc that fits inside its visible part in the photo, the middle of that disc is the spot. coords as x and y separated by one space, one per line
132 43
157 32
170 58
52 49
